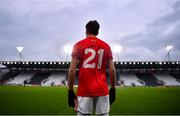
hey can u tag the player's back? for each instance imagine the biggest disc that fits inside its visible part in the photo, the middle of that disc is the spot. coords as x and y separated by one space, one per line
93 55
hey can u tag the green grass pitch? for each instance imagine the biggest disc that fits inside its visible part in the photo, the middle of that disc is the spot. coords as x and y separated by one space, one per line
53 100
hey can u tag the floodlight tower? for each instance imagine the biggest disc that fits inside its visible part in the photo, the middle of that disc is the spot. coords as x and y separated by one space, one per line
67 50
117 49
168 49
20 49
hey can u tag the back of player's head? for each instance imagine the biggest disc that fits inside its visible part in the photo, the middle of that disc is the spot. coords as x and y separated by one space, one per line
92 27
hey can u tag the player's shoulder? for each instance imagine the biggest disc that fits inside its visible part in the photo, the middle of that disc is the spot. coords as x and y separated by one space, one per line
105 44
78 43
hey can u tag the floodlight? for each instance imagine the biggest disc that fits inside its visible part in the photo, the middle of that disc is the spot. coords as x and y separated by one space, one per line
20 49
117 48
68 48
169 48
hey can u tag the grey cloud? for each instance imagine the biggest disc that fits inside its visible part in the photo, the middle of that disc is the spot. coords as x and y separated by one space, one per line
43 27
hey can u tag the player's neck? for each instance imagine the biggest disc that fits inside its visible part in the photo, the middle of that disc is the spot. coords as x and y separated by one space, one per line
90 35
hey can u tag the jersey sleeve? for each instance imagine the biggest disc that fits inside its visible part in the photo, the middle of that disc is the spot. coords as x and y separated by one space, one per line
74 53
109 53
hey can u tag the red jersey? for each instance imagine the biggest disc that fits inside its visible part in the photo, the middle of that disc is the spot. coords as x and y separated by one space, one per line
93 55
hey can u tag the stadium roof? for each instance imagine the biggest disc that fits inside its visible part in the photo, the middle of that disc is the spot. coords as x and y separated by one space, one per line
122 66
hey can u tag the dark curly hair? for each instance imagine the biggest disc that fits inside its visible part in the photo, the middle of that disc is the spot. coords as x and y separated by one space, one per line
92 27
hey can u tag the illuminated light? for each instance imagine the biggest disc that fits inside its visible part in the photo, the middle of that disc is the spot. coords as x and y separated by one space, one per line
34 62
160 62
23 62
164 62
42 62
116 62
134 62
20 49
150 62
7 62
169 48
39 62
54 62
117 48
172 62
27 62
125 63
147 62
177 62
68 49
142 63
50 63
59 62
62 62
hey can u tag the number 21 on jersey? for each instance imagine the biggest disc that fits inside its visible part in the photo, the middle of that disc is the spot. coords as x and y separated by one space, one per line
100 53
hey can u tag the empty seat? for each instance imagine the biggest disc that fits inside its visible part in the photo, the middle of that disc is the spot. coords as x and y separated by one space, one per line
3 72
54 79
167 79
130 80
19 79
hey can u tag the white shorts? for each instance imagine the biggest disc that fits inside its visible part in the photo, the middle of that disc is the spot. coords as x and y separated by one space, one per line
86 105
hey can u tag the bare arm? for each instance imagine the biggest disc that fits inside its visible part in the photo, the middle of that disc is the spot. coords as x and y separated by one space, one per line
72 73
112 73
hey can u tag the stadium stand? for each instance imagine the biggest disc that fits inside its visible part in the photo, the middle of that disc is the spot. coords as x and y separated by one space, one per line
130 80
131 73
54 79
19 79
176 75
8 76
3 72
167 79
38 78
149 79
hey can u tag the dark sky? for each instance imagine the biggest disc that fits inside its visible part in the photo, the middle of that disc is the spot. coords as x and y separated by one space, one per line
43 27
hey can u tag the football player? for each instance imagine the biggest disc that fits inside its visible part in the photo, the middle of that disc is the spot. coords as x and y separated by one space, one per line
92 55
